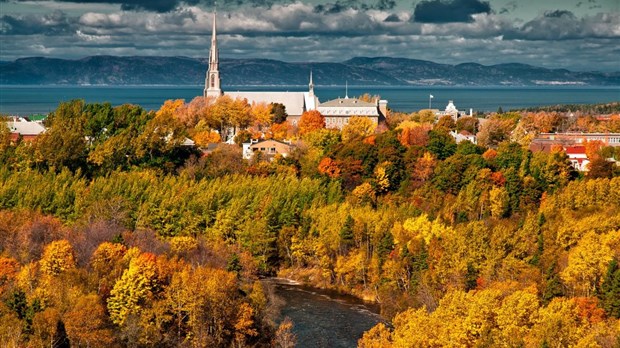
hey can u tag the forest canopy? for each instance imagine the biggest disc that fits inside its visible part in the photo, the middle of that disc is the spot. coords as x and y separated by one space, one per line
115 233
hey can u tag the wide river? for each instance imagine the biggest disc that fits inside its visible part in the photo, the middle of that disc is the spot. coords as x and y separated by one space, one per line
25 100
324 318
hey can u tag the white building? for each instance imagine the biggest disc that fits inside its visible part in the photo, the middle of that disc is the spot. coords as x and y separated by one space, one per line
337 112
464 135
453 112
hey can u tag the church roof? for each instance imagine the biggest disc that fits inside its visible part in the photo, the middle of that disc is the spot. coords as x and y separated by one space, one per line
347 102
293 101
23 127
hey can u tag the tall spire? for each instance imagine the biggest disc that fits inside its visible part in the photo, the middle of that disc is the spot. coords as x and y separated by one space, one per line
346 90
212 80
311 84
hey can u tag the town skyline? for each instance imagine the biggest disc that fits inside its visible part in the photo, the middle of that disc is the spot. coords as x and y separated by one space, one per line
576 35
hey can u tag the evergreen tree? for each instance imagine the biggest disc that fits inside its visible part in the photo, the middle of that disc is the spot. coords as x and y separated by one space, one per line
609 294
346 235
471 277
553 286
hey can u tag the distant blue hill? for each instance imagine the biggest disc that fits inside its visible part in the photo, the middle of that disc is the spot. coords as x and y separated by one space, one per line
383 71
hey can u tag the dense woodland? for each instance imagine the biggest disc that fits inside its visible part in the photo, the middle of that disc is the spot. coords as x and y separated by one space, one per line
112 233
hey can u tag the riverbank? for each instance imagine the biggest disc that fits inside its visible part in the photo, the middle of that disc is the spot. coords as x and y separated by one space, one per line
314 278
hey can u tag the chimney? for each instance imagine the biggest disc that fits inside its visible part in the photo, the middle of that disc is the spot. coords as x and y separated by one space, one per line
383 107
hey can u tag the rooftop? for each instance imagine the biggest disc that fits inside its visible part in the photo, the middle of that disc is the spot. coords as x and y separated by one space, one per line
293 101
347 102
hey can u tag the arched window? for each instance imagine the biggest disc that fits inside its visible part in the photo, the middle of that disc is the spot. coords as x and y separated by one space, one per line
212 80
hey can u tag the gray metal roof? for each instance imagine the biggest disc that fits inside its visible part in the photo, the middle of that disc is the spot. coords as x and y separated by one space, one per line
24 127
347 102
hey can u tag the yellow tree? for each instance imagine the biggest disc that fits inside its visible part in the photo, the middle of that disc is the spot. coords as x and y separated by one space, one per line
378 336
284 337
588 261
558 323
244 326
515 318
130 291
358 127
311 121
261 115
58 256
424 167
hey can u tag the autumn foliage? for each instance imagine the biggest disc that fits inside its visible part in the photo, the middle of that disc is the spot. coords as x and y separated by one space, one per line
112 233
311 121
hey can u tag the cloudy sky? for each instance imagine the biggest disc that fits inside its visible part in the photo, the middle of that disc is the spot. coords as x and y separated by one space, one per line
581 35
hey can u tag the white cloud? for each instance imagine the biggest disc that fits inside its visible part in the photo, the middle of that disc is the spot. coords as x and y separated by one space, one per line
295 32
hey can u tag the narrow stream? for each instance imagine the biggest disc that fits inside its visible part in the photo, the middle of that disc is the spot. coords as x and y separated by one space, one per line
324 318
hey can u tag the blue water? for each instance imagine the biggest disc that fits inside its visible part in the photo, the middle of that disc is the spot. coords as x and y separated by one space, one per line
24 100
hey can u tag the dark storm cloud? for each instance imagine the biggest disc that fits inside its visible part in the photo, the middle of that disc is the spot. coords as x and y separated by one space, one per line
559 14
343 5
163 6
442 11
55 23
393 18
510 7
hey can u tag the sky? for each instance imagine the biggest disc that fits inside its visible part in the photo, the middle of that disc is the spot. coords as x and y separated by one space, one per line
579 35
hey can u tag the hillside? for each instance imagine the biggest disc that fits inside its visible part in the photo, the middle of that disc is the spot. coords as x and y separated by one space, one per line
140 70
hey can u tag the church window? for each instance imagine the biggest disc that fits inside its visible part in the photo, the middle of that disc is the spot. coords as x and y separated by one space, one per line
212 80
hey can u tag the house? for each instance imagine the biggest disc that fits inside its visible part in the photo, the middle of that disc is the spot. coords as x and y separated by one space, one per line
464 135
577 157
269 148
24 129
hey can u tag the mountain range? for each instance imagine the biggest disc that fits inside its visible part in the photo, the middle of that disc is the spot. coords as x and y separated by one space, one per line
381 71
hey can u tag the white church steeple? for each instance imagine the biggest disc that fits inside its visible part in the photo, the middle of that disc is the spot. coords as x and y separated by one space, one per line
212 81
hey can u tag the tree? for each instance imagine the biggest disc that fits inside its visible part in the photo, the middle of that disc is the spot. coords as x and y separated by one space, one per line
609 293
310 121
358 127
280 131
244 326
57 257
424 167
587 263
469 124
379 336
599 167
86 323
495 131
261 114
446 122
329 167
132 288
278 112
64 144
441 145
284 337
414 134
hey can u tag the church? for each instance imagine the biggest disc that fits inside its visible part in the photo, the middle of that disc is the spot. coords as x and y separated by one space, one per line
336 112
